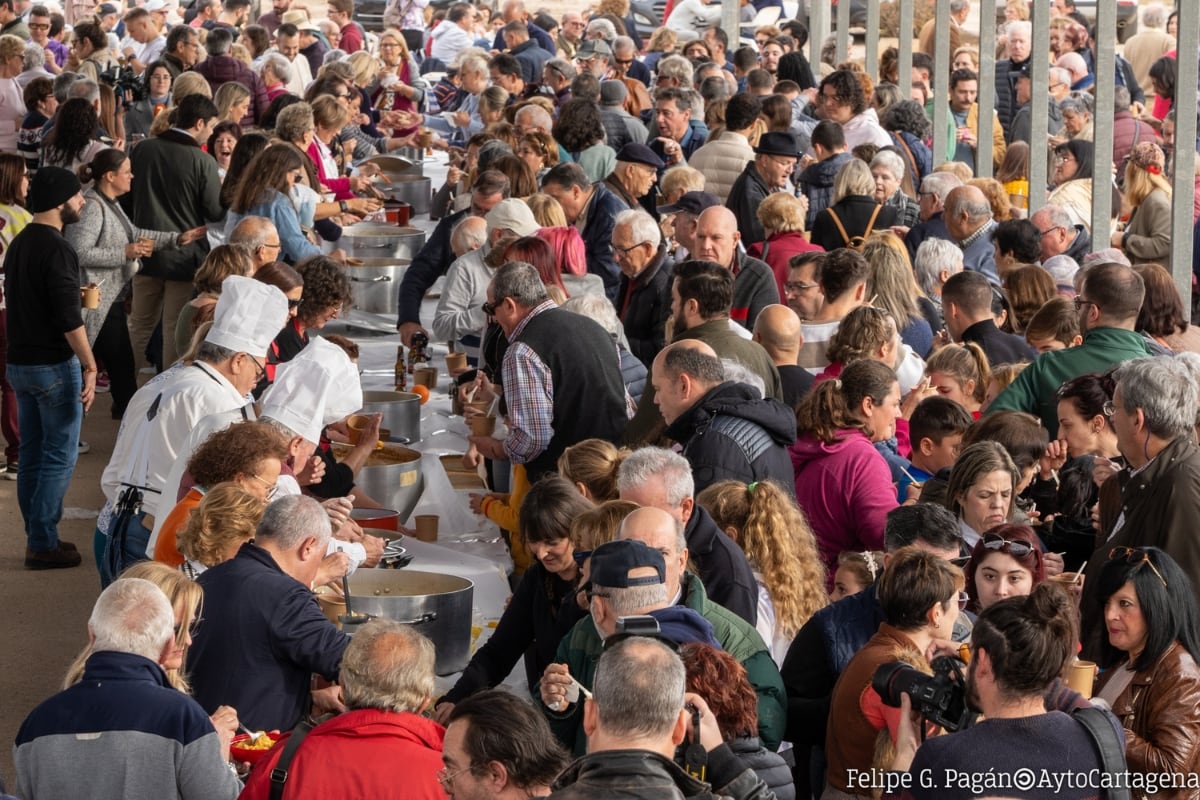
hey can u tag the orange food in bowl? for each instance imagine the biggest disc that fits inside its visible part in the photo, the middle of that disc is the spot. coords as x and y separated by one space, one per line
421 392
241 749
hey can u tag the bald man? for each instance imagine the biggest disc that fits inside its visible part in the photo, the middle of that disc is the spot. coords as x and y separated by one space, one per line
259 236
968 218
728 430
754 285
777 329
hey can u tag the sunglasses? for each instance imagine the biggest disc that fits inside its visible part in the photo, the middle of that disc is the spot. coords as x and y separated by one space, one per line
1137 557
994 541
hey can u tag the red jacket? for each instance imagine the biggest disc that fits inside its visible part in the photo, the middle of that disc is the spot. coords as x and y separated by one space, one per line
340 186
372 754
222 69
780 249
352 39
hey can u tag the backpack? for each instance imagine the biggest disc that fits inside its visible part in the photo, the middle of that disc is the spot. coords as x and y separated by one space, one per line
856 243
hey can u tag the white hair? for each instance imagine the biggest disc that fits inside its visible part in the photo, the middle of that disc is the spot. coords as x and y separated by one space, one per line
290 520
935 256
642 226
1022 25
278 64
890 161
132 616
657 462
608 30
737 372
468 235
598 308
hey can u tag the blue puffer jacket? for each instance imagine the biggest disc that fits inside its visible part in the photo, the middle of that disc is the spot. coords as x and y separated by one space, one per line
816 183
597 237
633 375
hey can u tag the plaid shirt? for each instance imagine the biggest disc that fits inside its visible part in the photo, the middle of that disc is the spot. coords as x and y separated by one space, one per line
529 393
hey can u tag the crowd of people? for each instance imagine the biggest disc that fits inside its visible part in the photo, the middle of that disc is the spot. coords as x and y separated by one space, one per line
784 397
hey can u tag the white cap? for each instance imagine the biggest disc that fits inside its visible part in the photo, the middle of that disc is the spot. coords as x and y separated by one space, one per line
513 215
155 5
317 387
248 317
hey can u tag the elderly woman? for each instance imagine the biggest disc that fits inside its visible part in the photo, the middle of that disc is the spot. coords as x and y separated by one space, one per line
887 168
249 455
1077 118
1150 679
1073 181
855 212
1146 238
782 218
330 116
275 72
224 520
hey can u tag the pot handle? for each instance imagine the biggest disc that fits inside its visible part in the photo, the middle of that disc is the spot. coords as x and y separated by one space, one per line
356 279
426 617
368 246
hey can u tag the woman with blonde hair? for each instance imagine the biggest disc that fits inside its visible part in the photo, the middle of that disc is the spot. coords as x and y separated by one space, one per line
546 211
679 180
893 287
225 520
766 522
855 212
232 100
782 217
960 372
592 465
662 43
1146 238
221 262
188 83
996 195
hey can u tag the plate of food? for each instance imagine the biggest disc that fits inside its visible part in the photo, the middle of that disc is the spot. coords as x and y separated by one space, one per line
250 748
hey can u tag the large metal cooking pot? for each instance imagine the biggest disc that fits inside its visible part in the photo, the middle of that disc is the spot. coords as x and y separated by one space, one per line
439 606
381 240
405 161
401 414
416 190
392 476
377 284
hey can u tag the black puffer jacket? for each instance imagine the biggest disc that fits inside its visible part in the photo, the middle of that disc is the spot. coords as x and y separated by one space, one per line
1006 90
816 183
643 304
770 767
732 433
626 774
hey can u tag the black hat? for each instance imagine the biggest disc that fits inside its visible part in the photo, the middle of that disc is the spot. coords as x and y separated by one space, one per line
612 561
778 143
635 153
50 188
105 9
691 203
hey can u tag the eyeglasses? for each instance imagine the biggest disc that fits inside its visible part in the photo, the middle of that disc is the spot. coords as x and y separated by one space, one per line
1080 303
294 303
1137 557
388 46
273 245
963 600
272 488
260 368
994 541
1048 231
446 779
624 251
797 286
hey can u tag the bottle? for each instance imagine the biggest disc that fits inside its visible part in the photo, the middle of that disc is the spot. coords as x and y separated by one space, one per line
401 372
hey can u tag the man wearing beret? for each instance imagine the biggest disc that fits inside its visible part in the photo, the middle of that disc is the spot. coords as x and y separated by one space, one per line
634 177
774 159
50 364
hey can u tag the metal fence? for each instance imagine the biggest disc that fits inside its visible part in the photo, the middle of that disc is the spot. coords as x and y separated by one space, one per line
1105 37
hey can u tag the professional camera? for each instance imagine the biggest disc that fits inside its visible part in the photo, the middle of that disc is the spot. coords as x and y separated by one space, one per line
941 698
127 86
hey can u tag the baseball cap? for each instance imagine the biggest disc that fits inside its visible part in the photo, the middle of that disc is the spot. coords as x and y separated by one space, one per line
612 561
691 203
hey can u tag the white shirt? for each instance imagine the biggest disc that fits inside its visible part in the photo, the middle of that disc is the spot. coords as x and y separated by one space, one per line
448 40
152 50
301 75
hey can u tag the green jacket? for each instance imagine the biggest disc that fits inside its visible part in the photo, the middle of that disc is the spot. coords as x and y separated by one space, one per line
580 651
1035 390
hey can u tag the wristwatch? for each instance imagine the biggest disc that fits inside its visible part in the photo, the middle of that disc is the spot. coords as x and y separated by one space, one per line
344 206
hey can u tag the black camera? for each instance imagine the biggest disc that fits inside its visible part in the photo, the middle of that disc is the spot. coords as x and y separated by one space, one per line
941 698
128 87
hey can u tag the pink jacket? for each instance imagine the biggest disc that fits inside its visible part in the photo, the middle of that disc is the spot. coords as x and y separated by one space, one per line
845 489
339 186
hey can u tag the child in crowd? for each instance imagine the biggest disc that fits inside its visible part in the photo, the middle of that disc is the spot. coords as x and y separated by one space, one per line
855 572
937 427
1001 377
1054 326
960 373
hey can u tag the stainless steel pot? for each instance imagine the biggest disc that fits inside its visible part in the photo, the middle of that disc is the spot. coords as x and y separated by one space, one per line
401 415
439 606
380 240
392 476
416 190
377 284
405 161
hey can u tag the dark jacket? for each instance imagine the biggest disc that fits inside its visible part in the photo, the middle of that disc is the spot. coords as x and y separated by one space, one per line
1081 245
816 183
797 382
629 774
532 58
431 262
754 288
634 374
265 638
602 210
1006 90
1159 508
999 346
728 579
932 228
644 304
821 650
533 623
223 69
1021 127
731 433
770 767
176 187
536 34
854 212
917 157
745 196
